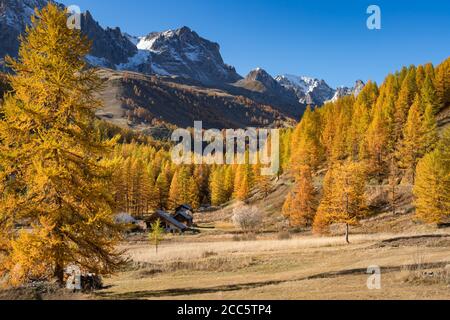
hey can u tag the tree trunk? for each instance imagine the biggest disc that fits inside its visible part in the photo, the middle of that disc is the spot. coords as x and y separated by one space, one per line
394 209
59 273
347 233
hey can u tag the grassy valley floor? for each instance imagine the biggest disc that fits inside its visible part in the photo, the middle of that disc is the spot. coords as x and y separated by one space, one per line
413 266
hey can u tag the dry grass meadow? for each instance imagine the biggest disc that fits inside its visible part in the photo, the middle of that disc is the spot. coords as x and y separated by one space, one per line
216 266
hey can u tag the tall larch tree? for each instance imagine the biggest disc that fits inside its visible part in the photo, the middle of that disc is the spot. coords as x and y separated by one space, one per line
228 183
442 84
301 204
406 98
193 193
243 182
344 198
412 145
430 107
217 187
377 137
150 192
201 176
306 148
362 111
343 121
162 190
53 176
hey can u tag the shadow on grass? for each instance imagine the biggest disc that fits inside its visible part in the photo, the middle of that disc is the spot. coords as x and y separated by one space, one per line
147 294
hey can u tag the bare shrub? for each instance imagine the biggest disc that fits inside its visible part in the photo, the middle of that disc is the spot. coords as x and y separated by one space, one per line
419 273
428 276
248 219
208 254
284 235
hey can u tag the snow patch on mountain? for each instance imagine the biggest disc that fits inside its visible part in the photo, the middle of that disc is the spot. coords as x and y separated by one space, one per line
346 91
308 90
96 61
314 91
17 14
181 52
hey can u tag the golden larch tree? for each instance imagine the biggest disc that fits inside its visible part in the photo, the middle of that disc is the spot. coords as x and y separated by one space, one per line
432 185
300 206
344 199
54 176
193 193
412 144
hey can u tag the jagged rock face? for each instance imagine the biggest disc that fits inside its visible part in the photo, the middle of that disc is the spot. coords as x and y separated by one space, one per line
346 91
15 15
183 53
341 92
317 92
263 87
110 47
308 90
359 86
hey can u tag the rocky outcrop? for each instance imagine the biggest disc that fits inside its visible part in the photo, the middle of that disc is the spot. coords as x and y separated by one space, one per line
182 53
109 47
15 15
346 91
308 90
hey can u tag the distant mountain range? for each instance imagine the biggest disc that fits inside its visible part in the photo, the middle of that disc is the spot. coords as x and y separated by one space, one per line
179 56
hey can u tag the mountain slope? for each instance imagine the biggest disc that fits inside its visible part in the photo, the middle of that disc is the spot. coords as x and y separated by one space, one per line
14 17
265 89
147 102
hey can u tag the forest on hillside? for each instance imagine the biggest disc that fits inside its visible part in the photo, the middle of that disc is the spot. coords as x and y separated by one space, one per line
388 135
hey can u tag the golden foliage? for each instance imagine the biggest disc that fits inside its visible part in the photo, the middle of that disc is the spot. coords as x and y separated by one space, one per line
53 175
432 187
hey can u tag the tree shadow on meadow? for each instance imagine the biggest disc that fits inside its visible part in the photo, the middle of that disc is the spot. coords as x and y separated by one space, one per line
148 294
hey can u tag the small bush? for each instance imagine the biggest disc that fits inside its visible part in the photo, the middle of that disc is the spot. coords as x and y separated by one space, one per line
247 218
435 276
208 254
284 235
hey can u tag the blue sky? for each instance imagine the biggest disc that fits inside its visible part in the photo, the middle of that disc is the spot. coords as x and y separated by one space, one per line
324 39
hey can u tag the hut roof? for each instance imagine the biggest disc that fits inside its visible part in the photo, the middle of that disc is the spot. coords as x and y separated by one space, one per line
167 217
185 207
184 214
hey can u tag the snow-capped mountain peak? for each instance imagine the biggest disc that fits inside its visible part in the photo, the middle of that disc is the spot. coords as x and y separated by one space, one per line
308 90
346 91
180 52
